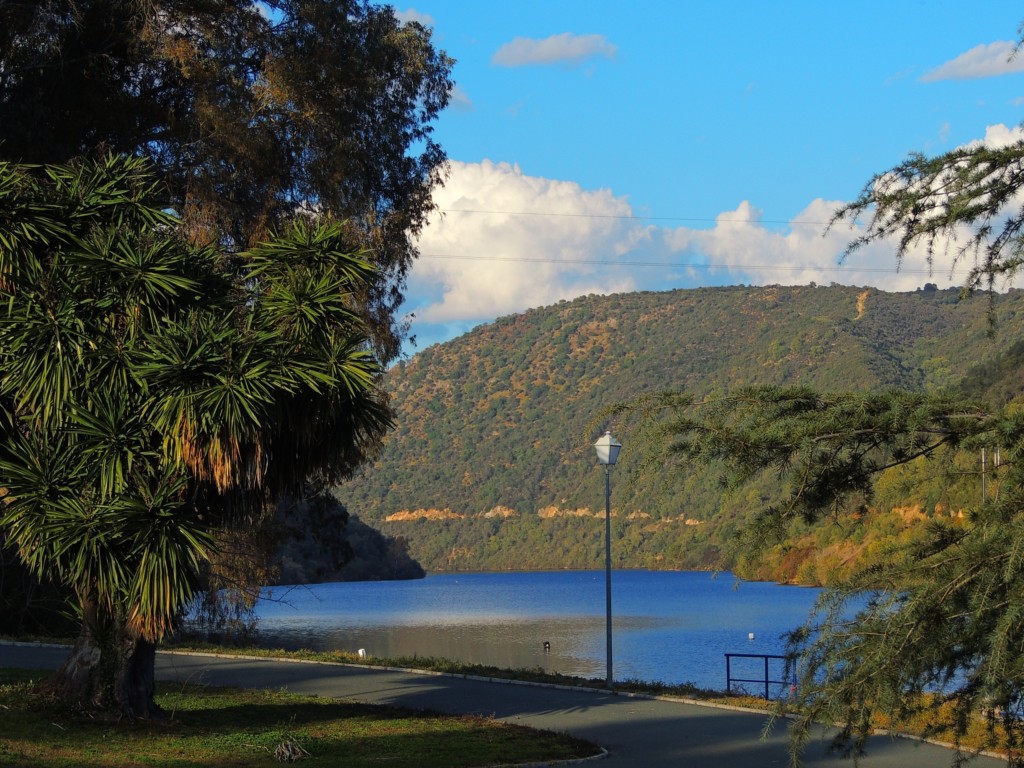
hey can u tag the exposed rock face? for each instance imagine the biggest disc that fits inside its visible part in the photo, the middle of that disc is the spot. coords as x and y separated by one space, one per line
406 515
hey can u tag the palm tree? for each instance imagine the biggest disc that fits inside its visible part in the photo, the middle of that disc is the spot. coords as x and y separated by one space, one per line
155 391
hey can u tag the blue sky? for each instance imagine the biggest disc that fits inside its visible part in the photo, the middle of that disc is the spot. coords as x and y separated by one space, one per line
599 147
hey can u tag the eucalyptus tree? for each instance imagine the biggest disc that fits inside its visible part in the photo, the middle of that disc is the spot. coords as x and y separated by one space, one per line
249 111
155 390
937 625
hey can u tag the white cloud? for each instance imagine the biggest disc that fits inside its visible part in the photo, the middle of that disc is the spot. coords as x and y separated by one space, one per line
803 251
505 242
566 47
411 14
986 60
997 136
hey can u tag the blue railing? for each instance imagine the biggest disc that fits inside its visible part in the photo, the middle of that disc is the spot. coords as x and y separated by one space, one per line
766 680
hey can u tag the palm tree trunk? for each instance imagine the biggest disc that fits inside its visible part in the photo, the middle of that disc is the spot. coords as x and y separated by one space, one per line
108 669
136 681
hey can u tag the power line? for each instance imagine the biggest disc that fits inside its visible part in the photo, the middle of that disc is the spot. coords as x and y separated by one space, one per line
629 218
680 265
666 264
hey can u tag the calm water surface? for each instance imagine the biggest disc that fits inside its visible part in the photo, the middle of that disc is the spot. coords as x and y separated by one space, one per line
672 627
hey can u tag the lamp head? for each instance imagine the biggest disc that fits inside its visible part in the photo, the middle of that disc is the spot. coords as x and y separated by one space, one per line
607 448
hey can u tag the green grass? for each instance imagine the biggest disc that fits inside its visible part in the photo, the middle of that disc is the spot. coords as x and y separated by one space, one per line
234 727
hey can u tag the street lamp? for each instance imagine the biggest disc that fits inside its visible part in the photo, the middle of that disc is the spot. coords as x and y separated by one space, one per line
608 448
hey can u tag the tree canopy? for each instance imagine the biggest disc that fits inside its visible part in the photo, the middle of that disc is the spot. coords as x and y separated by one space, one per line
249 112
149 387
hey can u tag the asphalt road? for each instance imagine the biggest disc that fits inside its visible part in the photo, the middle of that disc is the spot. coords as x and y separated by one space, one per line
636 731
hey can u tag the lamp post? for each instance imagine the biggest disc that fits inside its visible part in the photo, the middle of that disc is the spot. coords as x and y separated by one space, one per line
608 448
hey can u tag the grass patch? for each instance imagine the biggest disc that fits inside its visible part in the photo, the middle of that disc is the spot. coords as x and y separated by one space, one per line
235 727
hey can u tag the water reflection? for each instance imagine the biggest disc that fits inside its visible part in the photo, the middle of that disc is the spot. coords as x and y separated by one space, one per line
668 626
574 647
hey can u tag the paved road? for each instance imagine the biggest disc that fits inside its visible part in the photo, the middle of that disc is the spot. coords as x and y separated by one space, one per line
636 732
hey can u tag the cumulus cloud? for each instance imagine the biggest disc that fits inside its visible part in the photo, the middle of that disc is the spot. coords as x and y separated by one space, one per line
503 242
740 248
806 250
563 48
998 136
986 60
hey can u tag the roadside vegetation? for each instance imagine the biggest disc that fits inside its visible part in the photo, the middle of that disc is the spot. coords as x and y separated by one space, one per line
233 727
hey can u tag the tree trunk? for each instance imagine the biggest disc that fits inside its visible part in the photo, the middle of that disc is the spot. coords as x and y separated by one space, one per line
136 680
108 669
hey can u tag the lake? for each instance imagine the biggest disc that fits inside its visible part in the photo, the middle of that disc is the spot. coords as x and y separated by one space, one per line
668 626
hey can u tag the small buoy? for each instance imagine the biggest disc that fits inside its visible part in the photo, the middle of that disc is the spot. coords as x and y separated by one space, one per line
362 653
547 646
750 636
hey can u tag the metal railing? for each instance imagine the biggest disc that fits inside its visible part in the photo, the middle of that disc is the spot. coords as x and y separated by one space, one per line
766 680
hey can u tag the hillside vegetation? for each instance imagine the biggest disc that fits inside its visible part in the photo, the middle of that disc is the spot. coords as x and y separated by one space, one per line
491 465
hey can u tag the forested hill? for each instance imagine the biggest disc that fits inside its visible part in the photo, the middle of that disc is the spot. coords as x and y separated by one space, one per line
491 464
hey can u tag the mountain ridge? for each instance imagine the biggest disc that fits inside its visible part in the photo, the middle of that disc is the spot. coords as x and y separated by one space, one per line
497 425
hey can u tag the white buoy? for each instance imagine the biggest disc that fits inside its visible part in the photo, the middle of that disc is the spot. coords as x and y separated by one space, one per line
362 653
750 636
